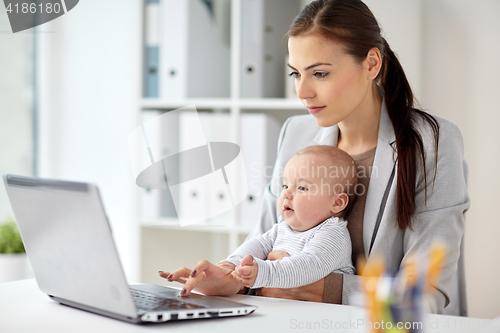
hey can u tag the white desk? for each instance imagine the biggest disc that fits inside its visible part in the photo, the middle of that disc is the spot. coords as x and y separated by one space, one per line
24 308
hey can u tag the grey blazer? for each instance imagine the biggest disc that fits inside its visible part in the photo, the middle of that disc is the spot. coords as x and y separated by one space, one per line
440 217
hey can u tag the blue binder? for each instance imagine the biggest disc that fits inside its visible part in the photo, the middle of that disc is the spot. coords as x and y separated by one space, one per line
151 58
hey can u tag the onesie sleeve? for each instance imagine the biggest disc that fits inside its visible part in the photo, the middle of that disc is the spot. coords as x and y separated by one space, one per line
258 246
328 250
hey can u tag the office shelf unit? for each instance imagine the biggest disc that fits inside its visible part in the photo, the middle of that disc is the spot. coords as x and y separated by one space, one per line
161 237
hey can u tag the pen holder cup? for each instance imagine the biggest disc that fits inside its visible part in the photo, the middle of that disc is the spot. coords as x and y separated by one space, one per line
394 311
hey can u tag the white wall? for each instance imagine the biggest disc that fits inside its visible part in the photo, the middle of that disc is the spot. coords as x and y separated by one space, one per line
16 105
401 24
461 74
89 84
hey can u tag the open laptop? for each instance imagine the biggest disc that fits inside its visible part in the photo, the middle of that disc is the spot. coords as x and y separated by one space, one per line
69 242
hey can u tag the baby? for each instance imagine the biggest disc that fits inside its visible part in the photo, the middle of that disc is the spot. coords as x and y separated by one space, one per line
311 237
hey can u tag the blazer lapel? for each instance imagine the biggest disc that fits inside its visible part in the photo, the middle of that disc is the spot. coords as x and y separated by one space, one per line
380 180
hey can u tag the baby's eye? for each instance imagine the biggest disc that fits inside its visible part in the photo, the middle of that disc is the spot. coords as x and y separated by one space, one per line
320 75
285 187
302 188
294 74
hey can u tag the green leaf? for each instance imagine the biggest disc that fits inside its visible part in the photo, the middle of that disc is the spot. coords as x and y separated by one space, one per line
10 238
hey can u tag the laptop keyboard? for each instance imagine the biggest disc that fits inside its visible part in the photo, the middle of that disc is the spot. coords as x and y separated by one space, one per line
149 302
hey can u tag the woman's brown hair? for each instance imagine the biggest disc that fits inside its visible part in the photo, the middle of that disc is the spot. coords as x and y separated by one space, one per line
352 24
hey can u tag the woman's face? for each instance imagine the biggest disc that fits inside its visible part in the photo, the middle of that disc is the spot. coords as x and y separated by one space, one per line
329 82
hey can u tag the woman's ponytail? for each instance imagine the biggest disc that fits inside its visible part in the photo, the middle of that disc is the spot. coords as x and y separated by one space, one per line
410 148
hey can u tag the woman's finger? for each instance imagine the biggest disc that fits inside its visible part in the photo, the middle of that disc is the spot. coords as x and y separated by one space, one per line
180 275
197 274
191 283
203 266
166 275
210 279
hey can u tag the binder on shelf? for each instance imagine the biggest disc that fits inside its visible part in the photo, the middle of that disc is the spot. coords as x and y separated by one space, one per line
263 26
193 197
259 138
151 49
194 55
217 128
252 48
162 140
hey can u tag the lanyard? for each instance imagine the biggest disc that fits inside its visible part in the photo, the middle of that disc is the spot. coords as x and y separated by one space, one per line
382 207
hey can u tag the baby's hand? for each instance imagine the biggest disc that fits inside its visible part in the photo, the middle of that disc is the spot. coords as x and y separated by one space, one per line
277 255
246 272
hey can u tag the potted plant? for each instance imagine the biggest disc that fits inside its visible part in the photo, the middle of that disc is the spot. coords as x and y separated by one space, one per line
13 260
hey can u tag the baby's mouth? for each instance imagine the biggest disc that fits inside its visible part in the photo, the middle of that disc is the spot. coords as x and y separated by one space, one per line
286 208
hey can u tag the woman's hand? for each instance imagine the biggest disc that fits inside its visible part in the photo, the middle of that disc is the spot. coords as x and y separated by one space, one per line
312 292
206 278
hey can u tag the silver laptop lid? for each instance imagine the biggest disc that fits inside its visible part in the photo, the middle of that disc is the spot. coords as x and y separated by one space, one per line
68 240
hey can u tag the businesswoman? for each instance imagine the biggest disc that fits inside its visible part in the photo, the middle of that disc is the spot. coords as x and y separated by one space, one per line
359 100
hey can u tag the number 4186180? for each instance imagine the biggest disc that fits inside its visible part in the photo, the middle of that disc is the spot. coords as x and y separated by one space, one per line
33 8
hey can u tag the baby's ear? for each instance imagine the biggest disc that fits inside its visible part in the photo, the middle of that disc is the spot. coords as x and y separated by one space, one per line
340 203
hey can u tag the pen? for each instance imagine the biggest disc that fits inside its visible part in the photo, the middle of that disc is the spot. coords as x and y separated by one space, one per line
437 257
371 272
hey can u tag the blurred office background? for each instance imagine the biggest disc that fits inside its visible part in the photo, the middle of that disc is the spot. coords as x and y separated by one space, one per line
70 92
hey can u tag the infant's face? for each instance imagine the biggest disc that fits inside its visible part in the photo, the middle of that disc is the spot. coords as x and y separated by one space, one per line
307 196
